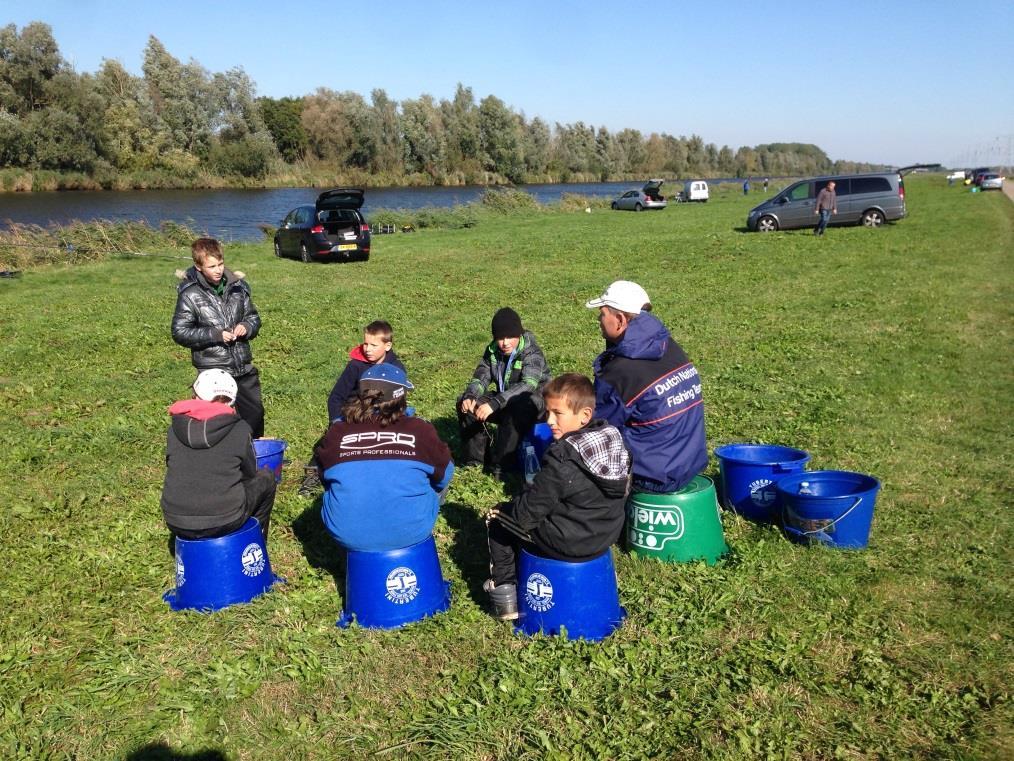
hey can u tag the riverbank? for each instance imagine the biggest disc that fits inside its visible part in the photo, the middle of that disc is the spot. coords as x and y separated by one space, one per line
14 180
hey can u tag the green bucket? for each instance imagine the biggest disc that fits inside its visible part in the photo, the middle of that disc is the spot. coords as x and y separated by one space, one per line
677 527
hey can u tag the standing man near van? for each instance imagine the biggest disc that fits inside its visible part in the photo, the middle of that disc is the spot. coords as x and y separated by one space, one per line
827 204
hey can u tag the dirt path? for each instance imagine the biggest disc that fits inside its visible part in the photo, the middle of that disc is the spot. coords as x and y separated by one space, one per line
1008 189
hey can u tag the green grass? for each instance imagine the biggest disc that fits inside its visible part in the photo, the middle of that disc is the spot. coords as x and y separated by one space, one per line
886 352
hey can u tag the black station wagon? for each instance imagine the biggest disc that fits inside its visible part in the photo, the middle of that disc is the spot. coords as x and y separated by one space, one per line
333 229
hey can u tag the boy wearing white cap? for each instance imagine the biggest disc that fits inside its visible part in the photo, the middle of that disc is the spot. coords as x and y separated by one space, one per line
647 387
212 484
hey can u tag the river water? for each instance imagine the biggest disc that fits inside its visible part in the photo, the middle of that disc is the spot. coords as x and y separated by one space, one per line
234 214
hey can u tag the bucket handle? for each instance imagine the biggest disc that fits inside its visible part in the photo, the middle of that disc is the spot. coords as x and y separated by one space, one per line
799 532
780 467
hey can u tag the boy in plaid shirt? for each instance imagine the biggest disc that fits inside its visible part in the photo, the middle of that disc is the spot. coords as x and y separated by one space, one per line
574 509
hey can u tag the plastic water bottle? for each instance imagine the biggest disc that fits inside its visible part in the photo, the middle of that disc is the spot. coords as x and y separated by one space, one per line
804 488
532 464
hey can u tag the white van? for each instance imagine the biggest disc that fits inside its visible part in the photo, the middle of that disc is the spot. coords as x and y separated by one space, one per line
695 190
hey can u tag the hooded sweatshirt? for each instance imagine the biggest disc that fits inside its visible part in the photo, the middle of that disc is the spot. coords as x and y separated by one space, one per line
647 387
574 509
209 455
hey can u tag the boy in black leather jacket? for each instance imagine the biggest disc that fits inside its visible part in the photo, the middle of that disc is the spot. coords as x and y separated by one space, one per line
574 509
216 319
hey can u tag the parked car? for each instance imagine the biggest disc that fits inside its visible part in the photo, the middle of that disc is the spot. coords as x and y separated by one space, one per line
695 190
332 229
648 197
867 199
991 181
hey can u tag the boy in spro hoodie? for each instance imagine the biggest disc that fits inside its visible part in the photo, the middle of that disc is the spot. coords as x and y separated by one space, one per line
212 484
574 509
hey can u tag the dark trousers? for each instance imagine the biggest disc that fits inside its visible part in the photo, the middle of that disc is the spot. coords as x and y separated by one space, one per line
506 539
260 499
512 421
248 401
503 552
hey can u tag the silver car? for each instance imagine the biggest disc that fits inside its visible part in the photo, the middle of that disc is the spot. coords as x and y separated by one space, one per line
648 197
991 182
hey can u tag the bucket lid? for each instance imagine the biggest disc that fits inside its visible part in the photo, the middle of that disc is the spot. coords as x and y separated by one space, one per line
827 484
761 454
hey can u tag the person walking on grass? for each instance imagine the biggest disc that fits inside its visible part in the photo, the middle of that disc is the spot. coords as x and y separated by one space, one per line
827 204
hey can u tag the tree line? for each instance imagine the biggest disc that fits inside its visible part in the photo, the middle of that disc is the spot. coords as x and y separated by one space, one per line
182 120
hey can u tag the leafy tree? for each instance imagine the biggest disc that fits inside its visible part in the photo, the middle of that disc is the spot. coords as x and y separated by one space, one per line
631 142
338 127
498 139
15 142
27 62
248 156
129 136
425 139
59 140
536 139
181 98
461 123
387 131
283 120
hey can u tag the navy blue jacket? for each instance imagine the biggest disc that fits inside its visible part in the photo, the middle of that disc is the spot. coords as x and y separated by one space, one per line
647 387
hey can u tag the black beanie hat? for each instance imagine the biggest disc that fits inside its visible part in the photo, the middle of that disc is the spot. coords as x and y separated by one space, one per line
506 324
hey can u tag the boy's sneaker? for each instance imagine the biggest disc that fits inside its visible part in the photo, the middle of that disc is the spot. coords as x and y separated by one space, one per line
504 600
311 482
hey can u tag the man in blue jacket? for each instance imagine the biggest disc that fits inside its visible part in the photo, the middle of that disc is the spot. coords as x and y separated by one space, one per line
647 387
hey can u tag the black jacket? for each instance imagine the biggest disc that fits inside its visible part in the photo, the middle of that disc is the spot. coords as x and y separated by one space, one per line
207 460
574 509
201 315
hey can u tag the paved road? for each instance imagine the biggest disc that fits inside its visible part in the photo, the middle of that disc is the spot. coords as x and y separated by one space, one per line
1008 188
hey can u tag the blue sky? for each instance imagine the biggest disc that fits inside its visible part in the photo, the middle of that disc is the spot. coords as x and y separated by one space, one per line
894 81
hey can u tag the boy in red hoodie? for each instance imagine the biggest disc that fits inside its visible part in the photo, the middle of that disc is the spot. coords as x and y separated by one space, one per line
212 484
377 348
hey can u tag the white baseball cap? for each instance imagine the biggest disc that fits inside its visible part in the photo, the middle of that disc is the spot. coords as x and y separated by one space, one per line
623 295
215 382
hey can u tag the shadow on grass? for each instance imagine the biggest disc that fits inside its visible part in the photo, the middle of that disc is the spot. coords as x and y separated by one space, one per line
469 550
162 752
447 430
319 549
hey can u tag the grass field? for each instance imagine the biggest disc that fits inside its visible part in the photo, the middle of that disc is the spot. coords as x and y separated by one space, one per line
882 351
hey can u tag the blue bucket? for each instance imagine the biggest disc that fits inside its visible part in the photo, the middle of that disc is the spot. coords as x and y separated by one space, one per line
270 455
834 507
554 595
212 574
748 473
389 589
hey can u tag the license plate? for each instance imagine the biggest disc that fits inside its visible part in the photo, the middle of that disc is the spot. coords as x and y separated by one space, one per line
347 247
